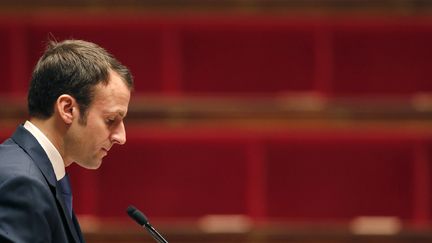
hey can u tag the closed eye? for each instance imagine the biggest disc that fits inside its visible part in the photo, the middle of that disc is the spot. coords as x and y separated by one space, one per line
110 121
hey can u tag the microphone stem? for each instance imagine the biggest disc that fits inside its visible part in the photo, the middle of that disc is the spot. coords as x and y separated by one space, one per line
158 237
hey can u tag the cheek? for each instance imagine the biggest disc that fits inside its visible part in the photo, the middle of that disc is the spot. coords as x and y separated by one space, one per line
98 132
96 126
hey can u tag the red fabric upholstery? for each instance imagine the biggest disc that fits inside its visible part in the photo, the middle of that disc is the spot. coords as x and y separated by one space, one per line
238 55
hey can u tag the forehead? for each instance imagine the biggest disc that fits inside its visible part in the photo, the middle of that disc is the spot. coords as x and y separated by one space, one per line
112 97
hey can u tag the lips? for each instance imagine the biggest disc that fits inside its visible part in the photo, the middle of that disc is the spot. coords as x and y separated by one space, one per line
107 148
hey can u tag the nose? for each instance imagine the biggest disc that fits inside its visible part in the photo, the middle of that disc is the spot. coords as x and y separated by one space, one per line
118 135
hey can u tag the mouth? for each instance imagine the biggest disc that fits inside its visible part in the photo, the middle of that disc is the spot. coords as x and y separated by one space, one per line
105 150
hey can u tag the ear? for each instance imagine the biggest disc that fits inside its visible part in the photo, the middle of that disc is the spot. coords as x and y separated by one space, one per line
67 108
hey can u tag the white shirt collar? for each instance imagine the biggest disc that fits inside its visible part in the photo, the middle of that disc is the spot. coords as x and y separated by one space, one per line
51 151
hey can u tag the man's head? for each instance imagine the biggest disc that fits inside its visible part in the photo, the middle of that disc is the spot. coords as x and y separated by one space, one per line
79 95
71 67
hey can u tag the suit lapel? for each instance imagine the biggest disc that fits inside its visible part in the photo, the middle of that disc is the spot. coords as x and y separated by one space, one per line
31 146
29 143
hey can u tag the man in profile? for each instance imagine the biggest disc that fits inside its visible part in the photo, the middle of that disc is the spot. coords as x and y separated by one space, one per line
77 100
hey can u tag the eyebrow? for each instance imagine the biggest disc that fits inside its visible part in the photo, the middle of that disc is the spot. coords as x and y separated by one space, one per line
117 112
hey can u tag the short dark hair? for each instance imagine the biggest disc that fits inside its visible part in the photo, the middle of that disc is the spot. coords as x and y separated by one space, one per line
71 67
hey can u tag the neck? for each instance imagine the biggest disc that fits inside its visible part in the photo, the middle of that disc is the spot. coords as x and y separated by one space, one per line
53 132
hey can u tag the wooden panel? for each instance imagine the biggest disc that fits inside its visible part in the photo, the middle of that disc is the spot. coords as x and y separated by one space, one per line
238 55
339 178
174 178
386 59
137 45
5 60
242 59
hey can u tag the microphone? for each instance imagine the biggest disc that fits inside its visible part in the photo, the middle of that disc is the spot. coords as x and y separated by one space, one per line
142 220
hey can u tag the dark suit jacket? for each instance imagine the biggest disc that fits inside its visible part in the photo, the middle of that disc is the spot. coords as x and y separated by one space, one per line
31 205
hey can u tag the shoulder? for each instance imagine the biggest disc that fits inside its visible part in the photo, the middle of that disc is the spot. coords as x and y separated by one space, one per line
27 208
9 150
19 175
21 187
14 161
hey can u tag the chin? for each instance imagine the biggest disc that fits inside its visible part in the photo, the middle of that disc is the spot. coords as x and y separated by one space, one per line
95 166
92 165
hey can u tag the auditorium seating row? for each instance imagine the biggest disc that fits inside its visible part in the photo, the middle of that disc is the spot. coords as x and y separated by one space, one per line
243 54
267 175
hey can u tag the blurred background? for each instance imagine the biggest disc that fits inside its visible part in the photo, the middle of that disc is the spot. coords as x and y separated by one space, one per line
251 120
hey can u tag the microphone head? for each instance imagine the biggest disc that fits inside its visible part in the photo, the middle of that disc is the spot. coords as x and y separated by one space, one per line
137 215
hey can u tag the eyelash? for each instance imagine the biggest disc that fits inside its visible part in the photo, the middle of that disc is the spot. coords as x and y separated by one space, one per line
110 121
